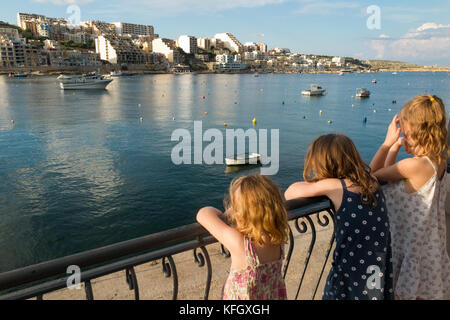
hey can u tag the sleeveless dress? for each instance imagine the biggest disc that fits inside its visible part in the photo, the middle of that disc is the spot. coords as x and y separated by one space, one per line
420 260
257 281
361 268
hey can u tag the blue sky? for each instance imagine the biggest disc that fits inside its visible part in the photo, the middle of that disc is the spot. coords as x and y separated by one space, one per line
410 30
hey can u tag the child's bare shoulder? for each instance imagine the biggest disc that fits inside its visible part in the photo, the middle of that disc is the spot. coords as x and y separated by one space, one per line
416 166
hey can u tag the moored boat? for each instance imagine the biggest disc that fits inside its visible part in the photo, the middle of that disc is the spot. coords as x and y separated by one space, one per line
314 90
90 81
362 93
242 159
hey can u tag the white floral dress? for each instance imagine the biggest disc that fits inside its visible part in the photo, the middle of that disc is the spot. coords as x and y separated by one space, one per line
419 255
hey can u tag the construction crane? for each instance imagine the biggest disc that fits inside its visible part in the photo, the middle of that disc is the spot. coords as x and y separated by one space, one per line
259 35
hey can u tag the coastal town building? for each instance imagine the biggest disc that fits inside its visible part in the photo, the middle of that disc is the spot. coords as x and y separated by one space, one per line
188 44
168 48
229 62
7 55
123 28
204 43
230 42
119 50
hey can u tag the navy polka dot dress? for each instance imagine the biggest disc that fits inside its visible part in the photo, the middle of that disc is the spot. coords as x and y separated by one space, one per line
361 267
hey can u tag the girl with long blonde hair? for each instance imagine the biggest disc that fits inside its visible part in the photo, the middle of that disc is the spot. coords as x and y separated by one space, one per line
255 235
415 197
361 267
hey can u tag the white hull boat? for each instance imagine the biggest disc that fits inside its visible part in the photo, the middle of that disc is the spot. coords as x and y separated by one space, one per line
243 159
314 90
363 93
84 82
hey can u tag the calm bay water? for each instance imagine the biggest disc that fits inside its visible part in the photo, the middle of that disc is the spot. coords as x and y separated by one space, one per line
79 170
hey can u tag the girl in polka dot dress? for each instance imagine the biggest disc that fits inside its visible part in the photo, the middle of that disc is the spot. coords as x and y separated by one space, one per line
415 197
361 268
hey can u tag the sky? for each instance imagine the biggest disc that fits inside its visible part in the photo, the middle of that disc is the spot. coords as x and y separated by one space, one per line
413 31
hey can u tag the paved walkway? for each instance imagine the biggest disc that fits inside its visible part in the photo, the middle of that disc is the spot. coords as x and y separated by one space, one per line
192 278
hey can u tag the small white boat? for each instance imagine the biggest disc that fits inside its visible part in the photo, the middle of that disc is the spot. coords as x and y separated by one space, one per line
121 74
374 80
314 90
362 93
242 159
394 73
90 81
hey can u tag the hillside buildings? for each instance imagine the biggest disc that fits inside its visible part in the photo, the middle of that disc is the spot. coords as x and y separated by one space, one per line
188 44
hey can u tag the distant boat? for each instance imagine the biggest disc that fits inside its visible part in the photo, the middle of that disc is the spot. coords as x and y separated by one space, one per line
90 81
121 74
362 93
242 159
314 90
394 73
374 80
17 75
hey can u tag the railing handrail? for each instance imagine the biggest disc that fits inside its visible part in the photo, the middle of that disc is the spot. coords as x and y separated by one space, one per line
93 257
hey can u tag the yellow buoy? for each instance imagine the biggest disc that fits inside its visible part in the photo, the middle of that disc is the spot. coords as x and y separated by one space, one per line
254 121
320 112
374 111
206 112
225 124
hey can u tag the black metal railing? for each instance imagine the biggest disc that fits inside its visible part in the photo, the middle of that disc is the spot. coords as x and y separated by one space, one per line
40 279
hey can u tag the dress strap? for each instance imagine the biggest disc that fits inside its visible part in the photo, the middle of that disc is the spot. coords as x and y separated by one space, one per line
250 254
344 186
432 164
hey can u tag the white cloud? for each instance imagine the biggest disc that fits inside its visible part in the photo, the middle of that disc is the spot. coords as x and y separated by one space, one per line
429 42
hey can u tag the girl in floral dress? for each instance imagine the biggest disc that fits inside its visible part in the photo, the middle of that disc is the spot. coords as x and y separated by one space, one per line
254 236
415 197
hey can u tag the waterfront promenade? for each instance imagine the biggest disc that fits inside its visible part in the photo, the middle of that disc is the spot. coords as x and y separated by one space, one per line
192 278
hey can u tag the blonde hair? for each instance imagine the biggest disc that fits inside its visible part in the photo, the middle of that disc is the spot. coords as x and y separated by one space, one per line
258 209
426 116
335 156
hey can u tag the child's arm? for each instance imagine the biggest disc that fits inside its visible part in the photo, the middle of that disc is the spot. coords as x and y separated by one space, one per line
404 169
304 189
393 152
392 137
209 218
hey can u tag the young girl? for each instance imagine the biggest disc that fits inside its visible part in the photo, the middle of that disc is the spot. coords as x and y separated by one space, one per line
361 266
255 239
415 197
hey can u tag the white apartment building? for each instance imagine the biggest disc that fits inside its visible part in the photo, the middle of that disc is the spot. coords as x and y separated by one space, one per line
106 51
168 48
188 44
204 43
338 60
123 28
119 50
230 42
230 62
